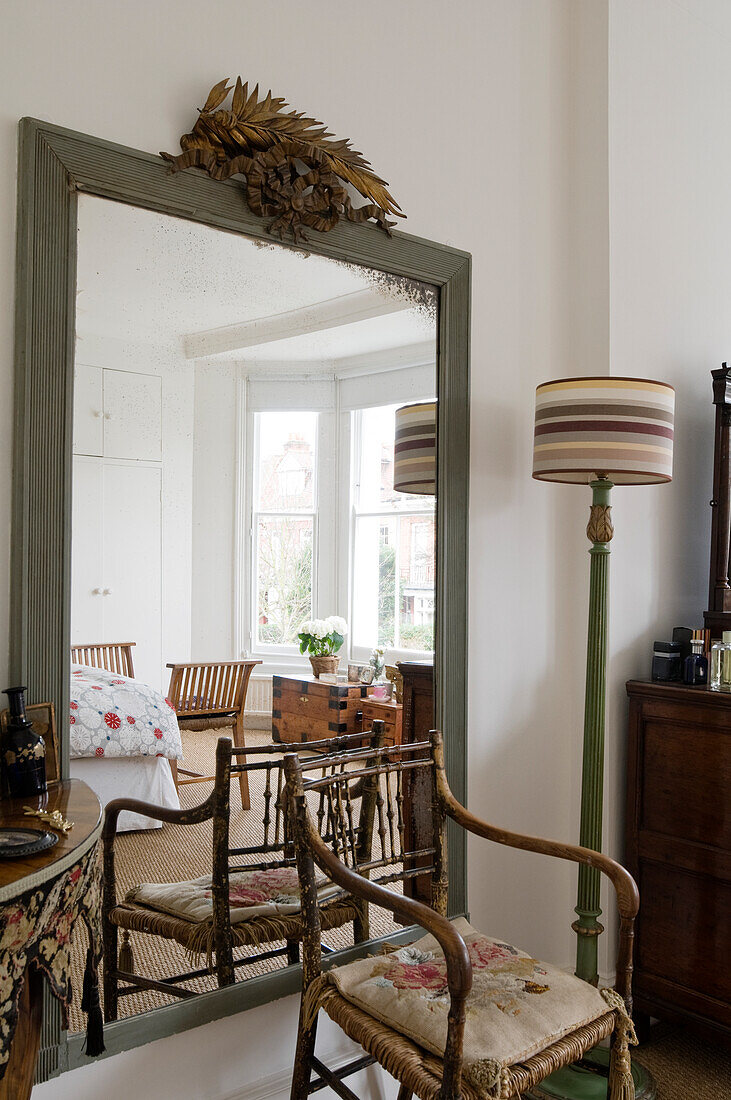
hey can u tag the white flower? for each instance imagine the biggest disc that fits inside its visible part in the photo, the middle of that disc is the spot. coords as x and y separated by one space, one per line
306 627
338 625
319 628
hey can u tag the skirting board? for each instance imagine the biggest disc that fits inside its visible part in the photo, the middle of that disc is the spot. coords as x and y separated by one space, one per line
276 1086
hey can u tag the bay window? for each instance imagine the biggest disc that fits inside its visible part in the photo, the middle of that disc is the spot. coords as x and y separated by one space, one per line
327 532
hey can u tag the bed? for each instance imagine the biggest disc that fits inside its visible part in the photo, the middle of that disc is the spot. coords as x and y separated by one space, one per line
123 736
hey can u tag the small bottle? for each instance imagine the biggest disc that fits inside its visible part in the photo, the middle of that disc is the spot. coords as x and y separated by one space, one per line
23 751
695 670
721 663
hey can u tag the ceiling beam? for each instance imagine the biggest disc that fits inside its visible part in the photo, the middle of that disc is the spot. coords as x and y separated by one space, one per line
345 310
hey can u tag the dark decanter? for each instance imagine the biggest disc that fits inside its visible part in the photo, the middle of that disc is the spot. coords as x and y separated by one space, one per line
23 751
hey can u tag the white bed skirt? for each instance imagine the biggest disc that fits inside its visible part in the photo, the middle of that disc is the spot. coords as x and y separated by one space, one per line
147 778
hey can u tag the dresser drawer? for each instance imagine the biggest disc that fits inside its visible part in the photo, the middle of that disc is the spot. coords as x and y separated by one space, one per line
389 714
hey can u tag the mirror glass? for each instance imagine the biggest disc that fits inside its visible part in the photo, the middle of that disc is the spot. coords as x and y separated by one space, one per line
233 477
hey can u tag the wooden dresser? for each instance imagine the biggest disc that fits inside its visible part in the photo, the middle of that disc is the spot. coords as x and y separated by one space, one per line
678 847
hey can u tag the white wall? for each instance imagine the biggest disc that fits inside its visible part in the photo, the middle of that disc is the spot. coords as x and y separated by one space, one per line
489 119
670 292
213 606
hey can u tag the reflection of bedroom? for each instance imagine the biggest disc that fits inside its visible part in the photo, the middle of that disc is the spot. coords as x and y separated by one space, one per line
234 422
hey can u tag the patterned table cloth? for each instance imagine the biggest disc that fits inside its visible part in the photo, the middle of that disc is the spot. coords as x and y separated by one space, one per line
36 929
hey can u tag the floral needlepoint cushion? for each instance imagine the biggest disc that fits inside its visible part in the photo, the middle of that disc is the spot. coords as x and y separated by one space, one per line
516 1008
272 892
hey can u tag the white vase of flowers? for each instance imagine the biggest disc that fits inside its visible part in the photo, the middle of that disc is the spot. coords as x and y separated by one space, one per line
321 639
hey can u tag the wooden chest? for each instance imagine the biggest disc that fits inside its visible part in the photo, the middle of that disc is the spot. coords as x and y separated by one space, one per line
311 710
390 715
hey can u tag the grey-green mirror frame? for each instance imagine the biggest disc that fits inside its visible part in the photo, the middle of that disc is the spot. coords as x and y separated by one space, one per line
56 164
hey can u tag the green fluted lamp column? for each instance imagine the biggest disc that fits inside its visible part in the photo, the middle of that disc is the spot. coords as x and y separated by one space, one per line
599 532
603 432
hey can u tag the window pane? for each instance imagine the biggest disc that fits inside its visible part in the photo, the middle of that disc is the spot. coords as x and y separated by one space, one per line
284 577
286 461
416 592
393 582
375 489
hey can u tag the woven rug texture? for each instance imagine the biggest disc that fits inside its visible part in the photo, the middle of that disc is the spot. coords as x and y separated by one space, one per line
687 1067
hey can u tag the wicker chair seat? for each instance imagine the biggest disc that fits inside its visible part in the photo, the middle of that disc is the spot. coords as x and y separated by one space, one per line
197 936
517 1009
420 1071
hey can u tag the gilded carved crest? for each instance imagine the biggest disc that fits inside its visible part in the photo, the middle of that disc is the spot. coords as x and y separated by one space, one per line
296 172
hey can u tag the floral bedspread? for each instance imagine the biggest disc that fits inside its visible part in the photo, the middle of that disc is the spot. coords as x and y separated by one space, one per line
113 716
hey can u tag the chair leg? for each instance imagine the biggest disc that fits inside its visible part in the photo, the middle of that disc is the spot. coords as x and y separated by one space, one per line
361 925
174 770
239 742
304 1053
293 952
111 1000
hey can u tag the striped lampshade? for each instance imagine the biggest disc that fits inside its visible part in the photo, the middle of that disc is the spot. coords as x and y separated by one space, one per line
618 428
415 449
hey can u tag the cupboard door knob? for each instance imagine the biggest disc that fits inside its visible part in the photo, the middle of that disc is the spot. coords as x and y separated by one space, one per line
98 414
96 591
107 591
108 416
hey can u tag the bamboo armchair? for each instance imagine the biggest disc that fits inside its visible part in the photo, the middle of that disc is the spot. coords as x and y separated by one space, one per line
437 1069
217 935
208 695
112 656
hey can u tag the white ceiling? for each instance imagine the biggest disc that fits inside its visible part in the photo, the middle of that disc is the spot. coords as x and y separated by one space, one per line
147 277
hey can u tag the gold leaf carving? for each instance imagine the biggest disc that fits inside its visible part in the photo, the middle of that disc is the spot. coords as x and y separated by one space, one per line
599 527
295 169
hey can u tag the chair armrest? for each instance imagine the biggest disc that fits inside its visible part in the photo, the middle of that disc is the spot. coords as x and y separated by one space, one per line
113 809
628 898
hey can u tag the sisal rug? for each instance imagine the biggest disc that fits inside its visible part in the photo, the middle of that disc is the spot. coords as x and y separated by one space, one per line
686 1067
175 853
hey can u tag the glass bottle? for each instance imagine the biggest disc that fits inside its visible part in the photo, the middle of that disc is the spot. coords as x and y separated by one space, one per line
721 663
23 751
696 664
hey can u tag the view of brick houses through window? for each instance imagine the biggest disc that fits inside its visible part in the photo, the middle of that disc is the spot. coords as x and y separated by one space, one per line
390 559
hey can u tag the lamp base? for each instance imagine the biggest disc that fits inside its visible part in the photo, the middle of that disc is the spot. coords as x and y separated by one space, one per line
587 1080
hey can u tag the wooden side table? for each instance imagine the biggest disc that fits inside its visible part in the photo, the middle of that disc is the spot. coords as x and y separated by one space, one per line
42 898
388 712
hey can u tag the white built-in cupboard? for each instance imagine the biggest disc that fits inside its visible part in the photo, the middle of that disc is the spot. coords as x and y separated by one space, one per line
116 550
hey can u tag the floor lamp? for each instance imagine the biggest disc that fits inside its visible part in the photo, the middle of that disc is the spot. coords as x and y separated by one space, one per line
601 432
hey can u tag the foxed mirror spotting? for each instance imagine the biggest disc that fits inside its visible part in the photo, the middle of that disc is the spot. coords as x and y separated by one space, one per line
220 469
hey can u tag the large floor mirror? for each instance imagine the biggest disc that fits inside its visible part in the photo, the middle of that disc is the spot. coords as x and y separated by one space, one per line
205 459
